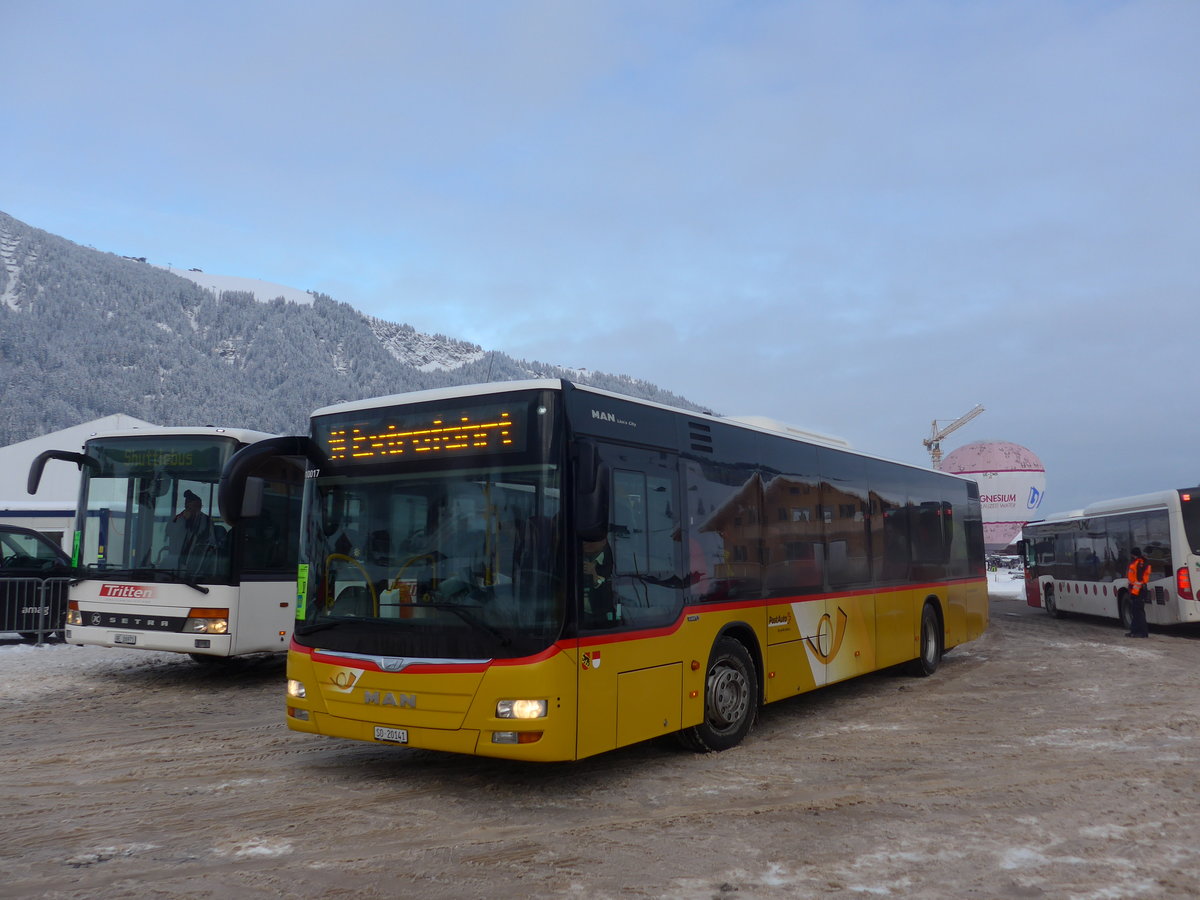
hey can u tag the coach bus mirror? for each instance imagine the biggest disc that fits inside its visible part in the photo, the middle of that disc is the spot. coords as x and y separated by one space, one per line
585 467
252 499
236 479
39 464
591 492
591 508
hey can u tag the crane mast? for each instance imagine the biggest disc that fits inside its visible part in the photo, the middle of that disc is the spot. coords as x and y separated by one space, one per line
933 443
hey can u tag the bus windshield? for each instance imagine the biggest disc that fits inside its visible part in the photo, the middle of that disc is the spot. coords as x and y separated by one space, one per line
148 509
439 564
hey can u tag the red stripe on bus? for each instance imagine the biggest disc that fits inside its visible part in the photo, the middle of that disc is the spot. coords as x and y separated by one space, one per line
572 644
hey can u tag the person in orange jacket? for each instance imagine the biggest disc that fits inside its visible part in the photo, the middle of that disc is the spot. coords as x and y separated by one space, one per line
1138 577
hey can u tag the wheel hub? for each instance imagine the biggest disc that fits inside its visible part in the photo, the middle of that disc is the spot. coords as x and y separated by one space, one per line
728 697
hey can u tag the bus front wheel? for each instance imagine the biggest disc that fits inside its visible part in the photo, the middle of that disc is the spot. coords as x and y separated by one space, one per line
1048 602
730 699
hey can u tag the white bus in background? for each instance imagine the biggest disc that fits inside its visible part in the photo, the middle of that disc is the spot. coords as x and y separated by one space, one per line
159 569
1077 562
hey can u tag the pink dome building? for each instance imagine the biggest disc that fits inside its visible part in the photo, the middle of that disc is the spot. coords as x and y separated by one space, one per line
1012 483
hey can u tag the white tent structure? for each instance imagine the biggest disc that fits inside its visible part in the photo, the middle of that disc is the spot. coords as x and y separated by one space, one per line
52 509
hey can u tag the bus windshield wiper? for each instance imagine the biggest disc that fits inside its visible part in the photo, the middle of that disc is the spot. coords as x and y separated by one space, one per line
149 573
463 613
315 627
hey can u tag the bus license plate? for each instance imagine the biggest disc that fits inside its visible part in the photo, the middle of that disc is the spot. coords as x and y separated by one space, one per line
124 638
394 735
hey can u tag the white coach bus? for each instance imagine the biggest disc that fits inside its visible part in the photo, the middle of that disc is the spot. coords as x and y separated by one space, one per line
158 568
1077 562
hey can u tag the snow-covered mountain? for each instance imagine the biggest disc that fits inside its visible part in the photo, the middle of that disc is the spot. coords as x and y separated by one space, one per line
426 352
263 291
85 334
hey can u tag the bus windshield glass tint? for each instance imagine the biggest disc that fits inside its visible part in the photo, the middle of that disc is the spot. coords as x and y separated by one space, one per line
151 507
448 564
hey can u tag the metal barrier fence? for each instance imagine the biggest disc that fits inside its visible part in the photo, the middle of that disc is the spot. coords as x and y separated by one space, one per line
36 608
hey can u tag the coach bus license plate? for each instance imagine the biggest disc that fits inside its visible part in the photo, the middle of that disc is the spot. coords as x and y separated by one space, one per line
124 638
395 735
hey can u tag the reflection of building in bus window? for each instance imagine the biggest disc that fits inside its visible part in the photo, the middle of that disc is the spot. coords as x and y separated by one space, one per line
598 606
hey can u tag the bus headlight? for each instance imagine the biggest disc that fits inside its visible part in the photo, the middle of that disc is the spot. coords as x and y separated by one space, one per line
74 617
207 621
521 709
296 689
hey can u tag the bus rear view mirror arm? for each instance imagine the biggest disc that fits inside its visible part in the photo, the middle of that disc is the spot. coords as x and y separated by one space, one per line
240 496
39 463
591 493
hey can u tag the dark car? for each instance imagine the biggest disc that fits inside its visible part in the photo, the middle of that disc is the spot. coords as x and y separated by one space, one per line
34 573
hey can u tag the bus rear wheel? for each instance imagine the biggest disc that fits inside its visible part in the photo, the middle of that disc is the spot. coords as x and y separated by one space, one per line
930 644
209 661
730 699
1125 610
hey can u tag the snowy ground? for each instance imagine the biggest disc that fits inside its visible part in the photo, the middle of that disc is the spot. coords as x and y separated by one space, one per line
1052 757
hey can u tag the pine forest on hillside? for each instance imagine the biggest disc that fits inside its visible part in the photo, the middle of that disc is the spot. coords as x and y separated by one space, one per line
85 334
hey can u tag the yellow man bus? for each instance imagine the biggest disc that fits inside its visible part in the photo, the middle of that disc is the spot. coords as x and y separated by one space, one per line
545 571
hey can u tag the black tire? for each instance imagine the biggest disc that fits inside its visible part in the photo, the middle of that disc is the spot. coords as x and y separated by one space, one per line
209 661
1048 603
931 644
1125 611
730 699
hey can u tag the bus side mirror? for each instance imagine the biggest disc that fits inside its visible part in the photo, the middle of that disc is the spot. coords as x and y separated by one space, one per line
252 499
34 480
237 484
591 493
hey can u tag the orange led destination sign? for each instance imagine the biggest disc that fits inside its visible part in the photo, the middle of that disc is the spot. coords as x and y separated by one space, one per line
392 434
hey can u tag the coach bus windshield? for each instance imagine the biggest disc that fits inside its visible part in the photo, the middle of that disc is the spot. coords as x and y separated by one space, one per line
445 564
432 530
149 511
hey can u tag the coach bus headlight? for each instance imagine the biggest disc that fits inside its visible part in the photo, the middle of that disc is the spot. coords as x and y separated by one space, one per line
207 621
296 689
521 709
73 615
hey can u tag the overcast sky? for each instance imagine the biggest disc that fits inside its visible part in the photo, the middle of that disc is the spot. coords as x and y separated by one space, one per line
857 217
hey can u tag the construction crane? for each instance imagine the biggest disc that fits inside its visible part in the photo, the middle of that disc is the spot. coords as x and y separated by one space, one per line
933 443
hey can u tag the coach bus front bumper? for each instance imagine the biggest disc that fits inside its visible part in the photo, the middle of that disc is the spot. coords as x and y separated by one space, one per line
481 707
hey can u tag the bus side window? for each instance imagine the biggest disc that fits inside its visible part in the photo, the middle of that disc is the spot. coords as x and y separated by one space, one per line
723 513
1157 547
